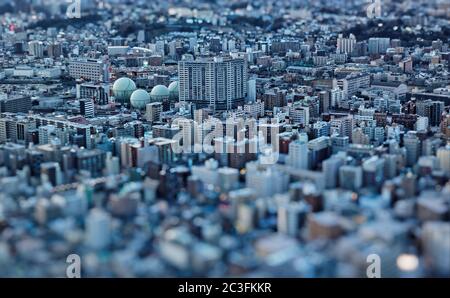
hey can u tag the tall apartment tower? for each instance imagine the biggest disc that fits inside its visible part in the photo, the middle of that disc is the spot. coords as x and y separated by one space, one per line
220 83
412 146
36 48
379 45
345 45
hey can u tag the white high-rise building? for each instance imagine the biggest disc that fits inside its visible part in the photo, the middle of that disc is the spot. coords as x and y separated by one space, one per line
436 240
422 123
160 47
45 133
207 173
390 165
379 134
289 214
443 155
265 182
337 95
298 154
228 178
345 45
36 48
255 109
220 83
112 164
299 115
412 145
379 45
342 126
98 229
231 45
192 43
251 90
330 168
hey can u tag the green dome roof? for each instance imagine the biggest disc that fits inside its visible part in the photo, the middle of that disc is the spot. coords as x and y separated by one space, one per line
124 84
173 87
139 99
159 92
123 88
173 90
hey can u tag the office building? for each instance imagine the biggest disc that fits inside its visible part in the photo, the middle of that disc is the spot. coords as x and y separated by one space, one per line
99 92
91 70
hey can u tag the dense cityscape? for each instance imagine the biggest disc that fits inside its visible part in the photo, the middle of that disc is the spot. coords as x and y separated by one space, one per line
214 138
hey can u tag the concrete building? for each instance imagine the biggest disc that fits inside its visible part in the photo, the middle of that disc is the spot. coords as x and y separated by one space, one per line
92 70
220 83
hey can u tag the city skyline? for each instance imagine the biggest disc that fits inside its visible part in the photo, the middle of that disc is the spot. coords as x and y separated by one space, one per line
220 138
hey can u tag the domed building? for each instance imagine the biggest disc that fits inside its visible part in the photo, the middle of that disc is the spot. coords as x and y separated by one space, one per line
173 91
139 99
122 90
159 93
